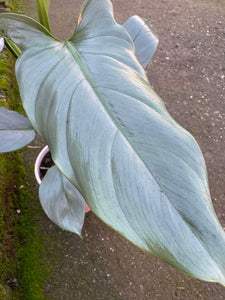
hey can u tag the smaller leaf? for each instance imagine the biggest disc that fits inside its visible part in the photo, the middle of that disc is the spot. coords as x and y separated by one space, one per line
15 130
13 48
1 44
144 38
61 201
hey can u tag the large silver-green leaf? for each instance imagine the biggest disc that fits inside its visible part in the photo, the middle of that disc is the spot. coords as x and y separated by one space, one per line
61 201
15 130
144 37
112 137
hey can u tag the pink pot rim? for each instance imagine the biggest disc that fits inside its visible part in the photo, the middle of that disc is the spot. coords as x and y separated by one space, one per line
38 161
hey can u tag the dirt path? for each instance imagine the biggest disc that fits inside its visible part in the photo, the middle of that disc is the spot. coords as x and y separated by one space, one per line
188 72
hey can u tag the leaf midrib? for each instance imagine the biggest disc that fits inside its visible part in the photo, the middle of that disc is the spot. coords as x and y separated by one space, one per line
89 79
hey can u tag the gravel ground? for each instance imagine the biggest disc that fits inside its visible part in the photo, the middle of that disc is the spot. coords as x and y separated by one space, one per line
188 72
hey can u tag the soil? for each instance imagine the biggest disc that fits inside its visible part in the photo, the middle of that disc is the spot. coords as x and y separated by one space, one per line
188 72
46 164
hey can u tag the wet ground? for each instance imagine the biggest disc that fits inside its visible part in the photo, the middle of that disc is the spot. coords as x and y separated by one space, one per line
188 72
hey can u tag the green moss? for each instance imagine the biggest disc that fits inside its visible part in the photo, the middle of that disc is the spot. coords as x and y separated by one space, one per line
5 67
5 292
22 250
8 265
23 257
33 268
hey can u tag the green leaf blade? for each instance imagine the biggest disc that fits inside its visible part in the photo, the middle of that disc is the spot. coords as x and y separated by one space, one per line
12 47
43 12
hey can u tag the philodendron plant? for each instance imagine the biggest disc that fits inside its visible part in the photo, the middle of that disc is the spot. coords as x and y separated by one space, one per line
113 142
